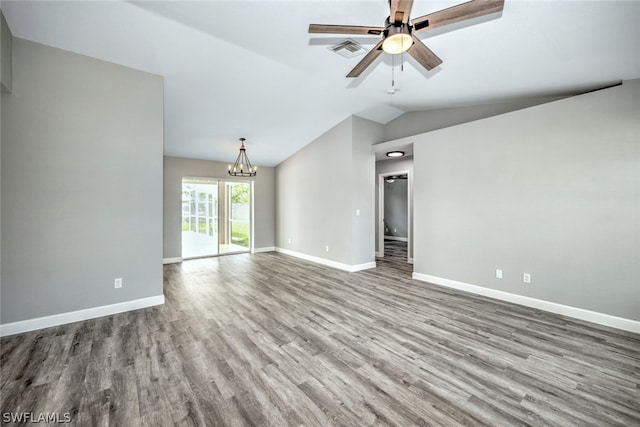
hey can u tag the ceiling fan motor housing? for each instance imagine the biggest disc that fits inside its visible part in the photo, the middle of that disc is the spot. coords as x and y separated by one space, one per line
391 28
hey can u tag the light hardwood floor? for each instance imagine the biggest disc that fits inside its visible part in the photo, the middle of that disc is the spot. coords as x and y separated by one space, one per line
268 339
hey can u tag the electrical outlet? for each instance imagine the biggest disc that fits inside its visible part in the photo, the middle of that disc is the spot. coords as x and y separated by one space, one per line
395 230
326 248
357 212
289 240
498 274
526 278
117 283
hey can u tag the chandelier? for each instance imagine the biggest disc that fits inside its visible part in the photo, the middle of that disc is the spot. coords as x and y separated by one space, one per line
242 166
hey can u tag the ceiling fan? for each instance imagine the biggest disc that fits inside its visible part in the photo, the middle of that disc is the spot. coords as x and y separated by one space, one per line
398 33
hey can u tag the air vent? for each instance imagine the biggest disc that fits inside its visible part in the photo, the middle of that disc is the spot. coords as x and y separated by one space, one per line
348 48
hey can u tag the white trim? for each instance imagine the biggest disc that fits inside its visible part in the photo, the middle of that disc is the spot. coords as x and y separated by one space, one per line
265 249
399 239
78 315
360 267
328 262
173 260
565 310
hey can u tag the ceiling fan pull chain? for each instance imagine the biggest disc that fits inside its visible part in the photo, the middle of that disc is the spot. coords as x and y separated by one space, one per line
402 57
393 69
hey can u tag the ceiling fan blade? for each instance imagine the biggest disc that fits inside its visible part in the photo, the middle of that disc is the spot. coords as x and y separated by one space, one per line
400 10
345 29
461 12
423 54
366 61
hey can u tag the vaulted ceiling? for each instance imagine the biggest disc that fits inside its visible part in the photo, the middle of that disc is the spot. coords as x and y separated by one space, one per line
250 69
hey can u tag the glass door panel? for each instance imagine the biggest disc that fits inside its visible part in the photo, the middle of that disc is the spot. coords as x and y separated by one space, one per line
237 218
199 218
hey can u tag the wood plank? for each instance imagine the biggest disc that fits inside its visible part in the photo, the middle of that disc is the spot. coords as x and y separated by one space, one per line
268 339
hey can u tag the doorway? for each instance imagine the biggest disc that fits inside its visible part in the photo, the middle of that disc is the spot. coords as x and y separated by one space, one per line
394 229
216 217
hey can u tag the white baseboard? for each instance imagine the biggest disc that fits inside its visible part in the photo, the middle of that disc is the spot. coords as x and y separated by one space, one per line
328 262
377 254
171 260
265 249
360 267
399 239
565 310
410 260
76 316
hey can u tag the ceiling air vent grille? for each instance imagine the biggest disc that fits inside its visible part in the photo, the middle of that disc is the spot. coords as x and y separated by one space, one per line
348 48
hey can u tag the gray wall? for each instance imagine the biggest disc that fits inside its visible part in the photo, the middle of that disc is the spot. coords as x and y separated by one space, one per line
82 144
6 54
417 122
321 187
264 200
6 67
313 198
365 134
312 213
395 165
552 190
396 208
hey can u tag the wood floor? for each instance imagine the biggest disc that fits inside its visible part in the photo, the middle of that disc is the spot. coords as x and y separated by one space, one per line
271 340
395 250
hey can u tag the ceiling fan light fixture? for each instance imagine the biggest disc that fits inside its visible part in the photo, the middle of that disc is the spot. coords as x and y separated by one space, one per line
395 154
397 40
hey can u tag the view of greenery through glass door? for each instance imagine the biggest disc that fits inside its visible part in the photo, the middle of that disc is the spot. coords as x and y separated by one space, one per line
216 217
240 213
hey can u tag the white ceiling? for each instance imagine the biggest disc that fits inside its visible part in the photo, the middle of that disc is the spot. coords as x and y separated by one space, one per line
250 69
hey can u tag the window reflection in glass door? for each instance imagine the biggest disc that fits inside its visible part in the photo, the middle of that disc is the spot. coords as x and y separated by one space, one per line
199 218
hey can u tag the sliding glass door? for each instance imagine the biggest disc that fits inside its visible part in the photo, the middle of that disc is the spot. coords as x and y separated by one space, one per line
236 218
216 217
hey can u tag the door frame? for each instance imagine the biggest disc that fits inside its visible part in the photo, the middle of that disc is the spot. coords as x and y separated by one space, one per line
381 182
